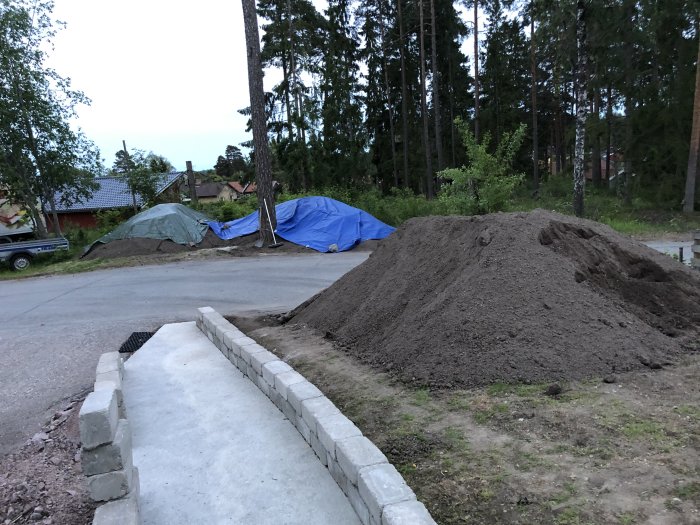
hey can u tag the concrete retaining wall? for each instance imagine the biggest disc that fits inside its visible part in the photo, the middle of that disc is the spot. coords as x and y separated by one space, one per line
377 492
106 447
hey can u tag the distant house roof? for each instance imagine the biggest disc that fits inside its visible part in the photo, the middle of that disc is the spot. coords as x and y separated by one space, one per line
113 192
209 189
250 187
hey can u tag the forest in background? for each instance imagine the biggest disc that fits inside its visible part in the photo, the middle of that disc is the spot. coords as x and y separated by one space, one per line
370 90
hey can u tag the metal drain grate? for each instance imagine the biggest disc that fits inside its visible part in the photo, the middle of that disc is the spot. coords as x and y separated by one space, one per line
135 341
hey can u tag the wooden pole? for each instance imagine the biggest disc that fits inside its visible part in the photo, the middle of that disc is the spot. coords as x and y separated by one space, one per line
191 183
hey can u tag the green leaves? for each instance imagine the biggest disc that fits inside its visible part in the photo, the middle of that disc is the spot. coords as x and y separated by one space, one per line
486 184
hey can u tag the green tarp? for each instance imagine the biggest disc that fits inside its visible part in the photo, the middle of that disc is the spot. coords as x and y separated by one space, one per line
176 222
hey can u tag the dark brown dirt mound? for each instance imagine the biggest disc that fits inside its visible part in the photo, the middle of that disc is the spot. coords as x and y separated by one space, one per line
142 246
517 297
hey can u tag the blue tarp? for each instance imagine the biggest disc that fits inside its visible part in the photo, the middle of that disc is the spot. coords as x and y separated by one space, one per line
320 223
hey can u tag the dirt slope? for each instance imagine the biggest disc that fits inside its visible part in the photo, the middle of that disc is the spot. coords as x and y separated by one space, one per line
517 297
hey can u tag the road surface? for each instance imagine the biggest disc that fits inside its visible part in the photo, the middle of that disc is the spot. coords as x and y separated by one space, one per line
53 329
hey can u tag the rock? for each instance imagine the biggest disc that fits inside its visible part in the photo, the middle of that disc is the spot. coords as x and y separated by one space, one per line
55 460
609 379
35 516
553 390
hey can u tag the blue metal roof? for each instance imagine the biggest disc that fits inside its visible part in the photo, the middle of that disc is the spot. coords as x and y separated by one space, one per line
113 192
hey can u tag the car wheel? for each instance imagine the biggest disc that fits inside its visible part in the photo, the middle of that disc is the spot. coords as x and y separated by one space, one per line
20 262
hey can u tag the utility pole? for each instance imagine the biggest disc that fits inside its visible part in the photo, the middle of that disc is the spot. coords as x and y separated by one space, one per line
127 168
191 183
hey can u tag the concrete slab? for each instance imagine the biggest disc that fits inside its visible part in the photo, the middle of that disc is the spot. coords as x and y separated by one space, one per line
211 448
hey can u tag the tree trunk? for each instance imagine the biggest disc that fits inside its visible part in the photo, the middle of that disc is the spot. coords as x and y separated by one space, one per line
424 109
131 188
453 134
387 89
263 170
608 125
436 91
533 94
689 201
596 177
476 71
581 107
404 96
629 133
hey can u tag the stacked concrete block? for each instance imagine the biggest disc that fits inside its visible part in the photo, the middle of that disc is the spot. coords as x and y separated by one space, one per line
109 376
107 448
374 488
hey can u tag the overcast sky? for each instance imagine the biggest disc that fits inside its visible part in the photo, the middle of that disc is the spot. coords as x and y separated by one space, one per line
165 76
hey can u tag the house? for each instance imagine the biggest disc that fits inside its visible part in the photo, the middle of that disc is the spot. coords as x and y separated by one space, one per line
615 167
220 191
214 192
242 189
112 194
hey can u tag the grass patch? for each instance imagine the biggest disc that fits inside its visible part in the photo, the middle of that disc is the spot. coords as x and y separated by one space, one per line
421 397
688 491
640 428
569 516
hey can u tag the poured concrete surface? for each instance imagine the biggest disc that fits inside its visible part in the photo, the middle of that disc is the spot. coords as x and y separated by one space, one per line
54 329
211 448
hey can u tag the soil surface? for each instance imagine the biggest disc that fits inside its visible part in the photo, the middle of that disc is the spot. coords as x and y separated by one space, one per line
623 450
43 481
241 246
450 302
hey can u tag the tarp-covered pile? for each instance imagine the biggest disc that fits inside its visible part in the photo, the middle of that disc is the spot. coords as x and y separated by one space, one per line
175 222
320 223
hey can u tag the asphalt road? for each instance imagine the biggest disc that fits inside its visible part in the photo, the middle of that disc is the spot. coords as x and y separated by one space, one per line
53 329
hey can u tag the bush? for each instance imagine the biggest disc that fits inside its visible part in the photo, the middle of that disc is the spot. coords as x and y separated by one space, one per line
487 184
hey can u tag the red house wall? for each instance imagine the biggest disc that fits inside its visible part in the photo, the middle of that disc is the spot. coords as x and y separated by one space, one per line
80 219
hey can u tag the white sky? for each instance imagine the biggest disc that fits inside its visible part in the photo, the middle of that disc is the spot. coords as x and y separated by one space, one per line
165 76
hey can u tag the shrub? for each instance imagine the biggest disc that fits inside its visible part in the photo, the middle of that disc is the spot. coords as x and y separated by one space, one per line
486 185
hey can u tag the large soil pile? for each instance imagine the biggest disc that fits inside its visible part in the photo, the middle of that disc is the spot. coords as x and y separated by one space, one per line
244 246
467 301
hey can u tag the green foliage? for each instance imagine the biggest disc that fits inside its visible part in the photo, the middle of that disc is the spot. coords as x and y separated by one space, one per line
224 211
40 154
141 172
486 185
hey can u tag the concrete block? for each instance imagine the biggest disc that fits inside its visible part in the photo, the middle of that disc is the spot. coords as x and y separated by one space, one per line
331 429
240 342
407 513
274 368
98 418
337 474
276 399
299 392
315 408
247 351
357 503
120 512
229 336
319 450
110 456
356 453
285 380
111 485
382 485
114 376
260 358
262 385
287 410
303 428
110 362
109 384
